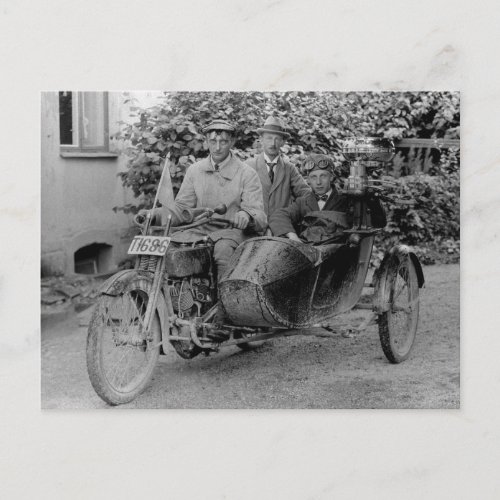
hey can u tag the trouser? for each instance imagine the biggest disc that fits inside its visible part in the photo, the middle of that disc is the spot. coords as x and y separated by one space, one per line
225 243
223 251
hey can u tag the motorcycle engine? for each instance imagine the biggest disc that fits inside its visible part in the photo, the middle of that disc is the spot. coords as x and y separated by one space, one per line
186 293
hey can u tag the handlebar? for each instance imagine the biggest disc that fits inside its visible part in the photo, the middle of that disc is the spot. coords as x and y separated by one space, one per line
202 218
200 222
197 214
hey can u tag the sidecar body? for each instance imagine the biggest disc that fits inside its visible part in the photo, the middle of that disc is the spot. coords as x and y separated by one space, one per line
278 282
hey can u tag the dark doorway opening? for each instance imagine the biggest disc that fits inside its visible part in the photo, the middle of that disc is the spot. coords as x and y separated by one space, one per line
93 259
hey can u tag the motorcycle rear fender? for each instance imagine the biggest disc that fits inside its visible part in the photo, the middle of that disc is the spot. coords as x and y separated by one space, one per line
381 281
117 284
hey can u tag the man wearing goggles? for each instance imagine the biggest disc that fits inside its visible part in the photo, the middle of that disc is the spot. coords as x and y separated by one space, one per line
322 214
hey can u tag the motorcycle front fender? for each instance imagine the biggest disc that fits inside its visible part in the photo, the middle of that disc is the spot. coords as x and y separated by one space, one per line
118 283
382 276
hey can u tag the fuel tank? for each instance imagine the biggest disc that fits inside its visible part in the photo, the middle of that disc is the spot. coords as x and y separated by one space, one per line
187 260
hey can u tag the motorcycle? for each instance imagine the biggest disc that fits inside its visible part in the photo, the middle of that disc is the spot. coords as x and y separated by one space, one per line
274 287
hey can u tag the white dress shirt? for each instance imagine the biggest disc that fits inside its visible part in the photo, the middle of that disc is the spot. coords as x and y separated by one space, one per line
322 203
272 162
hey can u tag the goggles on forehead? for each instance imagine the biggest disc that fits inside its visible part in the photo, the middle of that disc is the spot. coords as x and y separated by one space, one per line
322 164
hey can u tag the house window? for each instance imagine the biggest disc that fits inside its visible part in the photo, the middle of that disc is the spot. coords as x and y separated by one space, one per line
83 121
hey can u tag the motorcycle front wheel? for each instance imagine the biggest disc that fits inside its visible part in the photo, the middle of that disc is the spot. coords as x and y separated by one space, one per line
121 356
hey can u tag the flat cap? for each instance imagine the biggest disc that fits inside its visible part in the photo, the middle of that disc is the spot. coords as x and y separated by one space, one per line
219 125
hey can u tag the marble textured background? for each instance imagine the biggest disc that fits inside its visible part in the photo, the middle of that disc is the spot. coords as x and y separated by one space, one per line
253 45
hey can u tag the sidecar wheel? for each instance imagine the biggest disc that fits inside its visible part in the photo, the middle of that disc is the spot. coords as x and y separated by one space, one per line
398 326
120 358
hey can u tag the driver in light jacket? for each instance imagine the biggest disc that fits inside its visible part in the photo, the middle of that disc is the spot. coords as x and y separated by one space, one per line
221 178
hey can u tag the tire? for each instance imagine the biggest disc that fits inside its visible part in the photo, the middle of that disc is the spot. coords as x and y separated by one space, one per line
398 326
249 346
120 359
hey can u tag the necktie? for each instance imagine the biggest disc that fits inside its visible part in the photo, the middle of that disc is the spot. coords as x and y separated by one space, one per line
216 167
322 197
271 171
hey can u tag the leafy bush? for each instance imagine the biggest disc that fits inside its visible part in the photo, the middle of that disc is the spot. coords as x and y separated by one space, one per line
434 209
316 122
424 212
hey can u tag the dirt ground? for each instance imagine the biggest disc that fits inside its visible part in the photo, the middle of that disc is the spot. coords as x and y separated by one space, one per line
291 372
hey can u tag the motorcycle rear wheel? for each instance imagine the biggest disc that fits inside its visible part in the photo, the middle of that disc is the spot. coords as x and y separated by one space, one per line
120 357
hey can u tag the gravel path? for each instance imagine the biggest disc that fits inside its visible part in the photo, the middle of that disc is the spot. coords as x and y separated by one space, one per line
293 372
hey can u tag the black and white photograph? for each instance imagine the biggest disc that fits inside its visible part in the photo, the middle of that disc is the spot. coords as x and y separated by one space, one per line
250 250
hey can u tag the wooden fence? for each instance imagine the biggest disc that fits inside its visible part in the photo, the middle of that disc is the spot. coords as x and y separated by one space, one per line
419 155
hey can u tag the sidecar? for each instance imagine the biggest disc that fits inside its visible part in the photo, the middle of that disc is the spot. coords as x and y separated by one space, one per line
278 282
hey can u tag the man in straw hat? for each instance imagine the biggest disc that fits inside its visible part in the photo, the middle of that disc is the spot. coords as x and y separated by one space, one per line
281 181
322 214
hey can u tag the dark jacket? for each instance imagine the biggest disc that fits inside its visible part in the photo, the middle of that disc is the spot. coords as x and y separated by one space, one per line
288 219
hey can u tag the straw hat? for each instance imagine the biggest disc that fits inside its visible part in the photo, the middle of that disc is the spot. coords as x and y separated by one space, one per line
275 126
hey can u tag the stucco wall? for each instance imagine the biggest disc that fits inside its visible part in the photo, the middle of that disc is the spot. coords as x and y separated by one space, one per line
78 194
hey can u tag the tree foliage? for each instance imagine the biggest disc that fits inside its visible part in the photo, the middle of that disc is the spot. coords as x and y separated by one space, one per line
317 121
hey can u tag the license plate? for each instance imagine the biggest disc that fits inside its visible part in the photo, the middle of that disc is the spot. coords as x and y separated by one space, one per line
149 245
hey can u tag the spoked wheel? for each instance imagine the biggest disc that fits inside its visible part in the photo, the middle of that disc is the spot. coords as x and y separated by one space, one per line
248 346
398 326
121 357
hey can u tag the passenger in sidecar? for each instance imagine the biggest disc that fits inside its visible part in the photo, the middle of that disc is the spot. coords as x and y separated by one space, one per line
323 214
315 265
